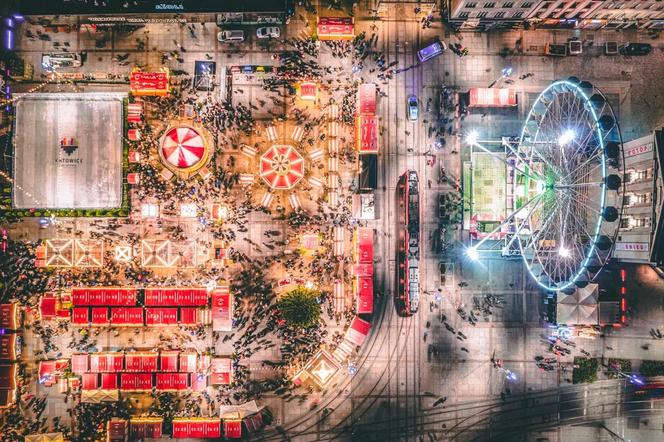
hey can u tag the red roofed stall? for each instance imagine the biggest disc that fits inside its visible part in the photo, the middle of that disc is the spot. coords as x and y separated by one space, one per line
170 297
103 296
106 362
365 240
367 99
99 316
9 316
127 316
137 362
364 295
80 364
47 307
161 316
366 128
188 362
109 381
80 316
168 360
146 427
222 316
220 371
232 428
136 381
172 381
90 381
188 315
197 428
358 331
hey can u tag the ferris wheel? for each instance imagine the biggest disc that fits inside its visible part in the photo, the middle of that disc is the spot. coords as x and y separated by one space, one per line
569 189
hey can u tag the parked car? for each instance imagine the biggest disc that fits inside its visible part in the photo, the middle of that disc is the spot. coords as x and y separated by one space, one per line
268 32
433 50
61 60
412 108
635 49
231 36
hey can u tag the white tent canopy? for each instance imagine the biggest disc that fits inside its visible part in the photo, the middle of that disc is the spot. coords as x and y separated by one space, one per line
579 308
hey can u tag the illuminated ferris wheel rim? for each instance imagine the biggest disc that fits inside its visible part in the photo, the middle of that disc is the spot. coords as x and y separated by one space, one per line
562 229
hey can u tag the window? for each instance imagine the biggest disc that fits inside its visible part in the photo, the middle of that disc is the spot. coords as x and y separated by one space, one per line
464 14
470 4
631 222
489 4
526 4
517 14
508 4
638 175
482 14
499 14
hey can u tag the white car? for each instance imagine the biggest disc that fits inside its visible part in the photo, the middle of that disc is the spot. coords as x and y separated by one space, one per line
230 36
268 32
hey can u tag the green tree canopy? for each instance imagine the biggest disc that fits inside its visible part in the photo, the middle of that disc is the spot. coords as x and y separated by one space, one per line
299 307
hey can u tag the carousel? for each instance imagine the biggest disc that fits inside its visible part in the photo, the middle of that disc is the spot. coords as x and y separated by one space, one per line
184 149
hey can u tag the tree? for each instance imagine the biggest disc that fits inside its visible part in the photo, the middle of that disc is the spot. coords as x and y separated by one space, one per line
300 308
585 370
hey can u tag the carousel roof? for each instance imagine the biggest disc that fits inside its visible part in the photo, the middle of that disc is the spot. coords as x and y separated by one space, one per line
281 167
183 147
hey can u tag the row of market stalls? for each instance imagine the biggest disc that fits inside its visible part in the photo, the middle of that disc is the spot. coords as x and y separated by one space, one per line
9 352
103 376
158 306
233 423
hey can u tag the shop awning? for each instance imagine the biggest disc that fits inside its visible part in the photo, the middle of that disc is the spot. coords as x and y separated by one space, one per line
80 363
366 128
161 315
222 317
106 362
80 316
358 331
8 347
220 371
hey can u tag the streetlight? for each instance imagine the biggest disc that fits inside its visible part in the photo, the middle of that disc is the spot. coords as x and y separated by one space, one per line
471 138
472 253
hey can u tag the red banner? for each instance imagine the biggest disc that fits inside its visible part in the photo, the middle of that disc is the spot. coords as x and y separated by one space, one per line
148 83
367 133
335 28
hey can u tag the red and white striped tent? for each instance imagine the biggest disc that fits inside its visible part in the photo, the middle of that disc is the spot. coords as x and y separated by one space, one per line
281 167
183 148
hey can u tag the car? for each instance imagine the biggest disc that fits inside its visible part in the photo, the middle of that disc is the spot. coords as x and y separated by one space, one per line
268 32
412 108
635 49
61 60
433 50
230 36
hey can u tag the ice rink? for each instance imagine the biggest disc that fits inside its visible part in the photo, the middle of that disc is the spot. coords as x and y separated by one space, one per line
68 151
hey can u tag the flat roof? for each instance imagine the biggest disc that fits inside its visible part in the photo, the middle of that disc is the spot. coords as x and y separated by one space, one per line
88 7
